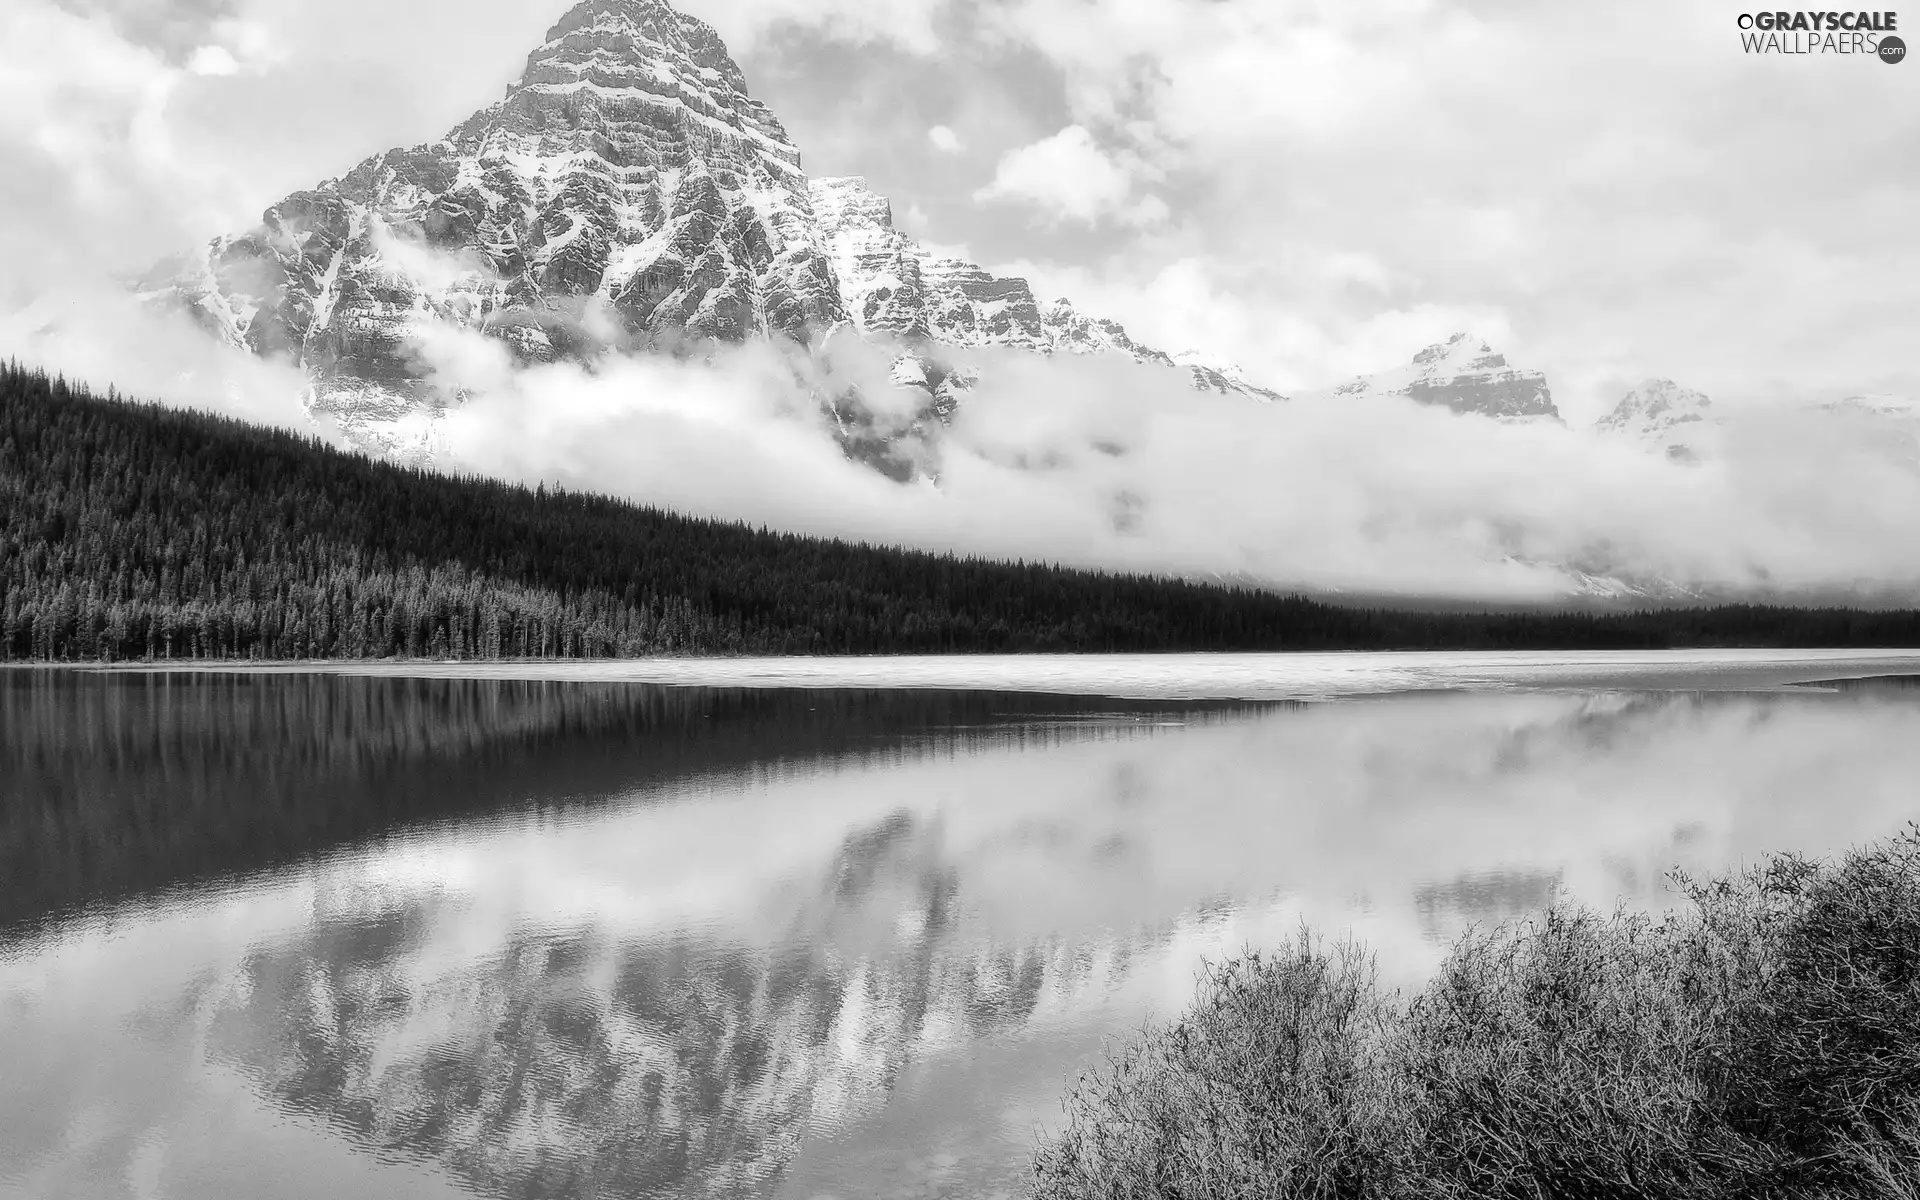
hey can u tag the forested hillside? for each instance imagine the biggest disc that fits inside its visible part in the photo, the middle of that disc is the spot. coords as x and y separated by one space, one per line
129 531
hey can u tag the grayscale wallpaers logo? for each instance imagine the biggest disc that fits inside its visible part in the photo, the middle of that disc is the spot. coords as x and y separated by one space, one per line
1862 33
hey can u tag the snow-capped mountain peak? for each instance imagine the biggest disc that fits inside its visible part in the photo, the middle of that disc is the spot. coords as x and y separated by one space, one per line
1664 415
1466 375
627 193
1213 373
626 174
894 286
1655 406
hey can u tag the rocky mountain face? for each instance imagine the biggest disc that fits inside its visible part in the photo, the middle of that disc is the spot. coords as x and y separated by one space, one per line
629 195
626 194
893 286
1214 374
1665 417
1466 375
627 191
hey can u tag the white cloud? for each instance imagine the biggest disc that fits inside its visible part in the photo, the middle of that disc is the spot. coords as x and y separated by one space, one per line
1620 199
1314 189
1100 462
86 153
104 336
241 45
1069 176
944 139
1191 302
213 60
907 24
1103 463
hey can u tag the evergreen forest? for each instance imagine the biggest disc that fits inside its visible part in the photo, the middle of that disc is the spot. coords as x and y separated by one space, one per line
129 531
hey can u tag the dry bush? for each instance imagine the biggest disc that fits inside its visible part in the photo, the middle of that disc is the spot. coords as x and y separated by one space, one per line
1567 1057
1270 1086
1824 1055
1762 1041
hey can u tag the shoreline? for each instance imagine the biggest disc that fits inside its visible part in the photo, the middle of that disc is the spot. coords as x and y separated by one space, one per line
1304 675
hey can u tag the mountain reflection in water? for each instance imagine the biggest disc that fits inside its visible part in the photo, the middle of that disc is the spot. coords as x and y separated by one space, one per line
520 939
121 784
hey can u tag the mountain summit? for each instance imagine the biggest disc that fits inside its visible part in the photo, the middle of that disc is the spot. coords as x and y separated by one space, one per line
1661 414
1466 375
626 194
627 190
893 285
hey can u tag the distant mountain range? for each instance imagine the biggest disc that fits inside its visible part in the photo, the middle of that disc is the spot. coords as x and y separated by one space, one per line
629 194
1684 424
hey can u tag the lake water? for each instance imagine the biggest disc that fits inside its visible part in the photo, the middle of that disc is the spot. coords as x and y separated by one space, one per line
359 934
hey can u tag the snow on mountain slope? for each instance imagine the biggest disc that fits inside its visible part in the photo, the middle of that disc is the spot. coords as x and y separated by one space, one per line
627 194
893 286
1214 374
1465 375
626 191
1685 426
1659 413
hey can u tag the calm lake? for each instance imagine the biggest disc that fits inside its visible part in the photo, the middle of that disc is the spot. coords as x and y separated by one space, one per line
330 935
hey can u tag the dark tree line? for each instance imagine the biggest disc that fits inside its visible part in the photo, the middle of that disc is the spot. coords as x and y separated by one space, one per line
129 531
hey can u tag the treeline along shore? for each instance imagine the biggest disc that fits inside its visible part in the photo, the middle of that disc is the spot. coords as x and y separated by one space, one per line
131 532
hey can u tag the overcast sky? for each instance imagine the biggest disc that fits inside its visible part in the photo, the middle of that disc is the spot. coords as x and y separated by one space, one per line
1313 189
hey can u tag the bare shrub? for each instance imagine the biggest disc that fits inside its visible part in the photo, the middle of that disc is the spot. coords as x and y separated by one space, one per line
1762 1041
1271 1086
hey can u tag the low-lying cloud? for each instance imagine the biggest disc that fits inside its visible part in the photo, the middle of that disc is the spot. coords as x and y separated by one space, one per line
106 336
115 154
1100 462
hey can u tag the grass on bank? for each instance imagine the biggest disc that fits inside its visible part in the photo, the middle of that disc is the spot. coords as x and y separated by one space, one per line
1761 1041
